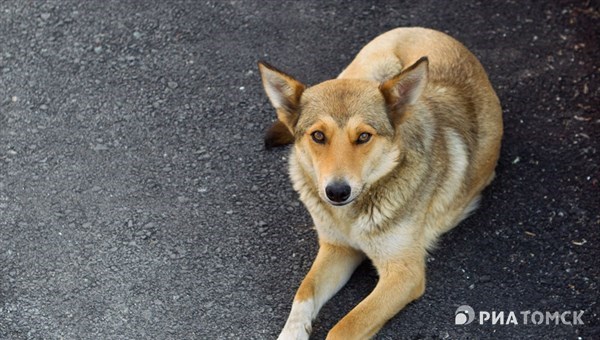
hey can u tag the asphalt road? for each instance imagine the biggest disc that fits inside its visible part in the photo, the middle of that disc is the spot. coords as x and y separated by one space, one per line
137 201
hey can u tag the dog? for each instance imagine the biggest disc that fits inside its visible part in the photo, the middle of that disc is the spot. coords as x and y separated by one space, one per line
386 157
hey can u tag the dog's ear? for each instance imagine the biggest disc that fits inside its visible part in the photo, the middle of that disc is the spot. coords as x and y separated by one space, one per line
284 92
404 89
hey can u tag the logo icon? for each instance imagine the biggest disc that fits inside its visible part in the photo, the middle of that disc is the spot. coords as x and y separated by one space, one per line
464 315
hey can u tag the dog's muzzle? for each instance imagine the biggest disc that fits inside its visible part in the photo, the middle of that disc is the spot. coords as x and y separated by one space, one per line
338 192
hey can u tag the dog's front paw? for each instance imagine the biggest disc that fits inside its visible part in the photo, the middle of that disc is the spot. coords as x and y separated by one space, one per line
298 325
295 331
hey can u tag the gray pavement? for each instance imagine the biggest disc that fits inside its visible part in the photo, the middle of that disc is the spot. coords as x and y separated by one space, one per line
137 201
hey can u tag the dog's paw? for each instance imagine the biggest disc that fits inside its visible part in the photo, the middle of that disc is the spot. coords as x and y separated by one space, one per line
298 325
295 331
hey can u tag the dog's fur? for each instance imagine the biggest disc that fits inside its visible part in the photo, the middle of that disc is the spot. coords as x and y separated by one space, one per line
388 156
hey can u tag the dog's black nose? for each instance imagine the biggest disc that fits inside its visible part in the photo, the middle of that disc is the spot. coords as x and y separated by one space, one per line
338 192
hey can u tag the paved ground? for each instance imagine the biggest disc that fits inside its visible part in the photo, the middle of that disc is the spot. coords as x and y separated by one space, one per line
137 202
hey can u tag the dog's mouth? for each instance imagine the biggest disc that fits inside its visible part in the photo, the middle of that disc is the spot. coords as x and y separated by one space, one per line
339 204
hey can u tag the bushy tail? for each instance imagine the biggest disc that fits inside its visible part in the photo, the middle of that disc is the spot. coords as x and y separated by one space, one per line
278 135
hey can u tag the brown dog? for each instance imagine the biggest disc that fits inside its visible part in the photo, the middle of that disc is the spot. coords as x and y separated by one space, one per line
386 158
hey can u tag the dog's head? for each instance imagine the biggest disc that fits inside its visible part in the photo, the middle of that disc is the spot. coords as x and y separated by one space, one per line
344 130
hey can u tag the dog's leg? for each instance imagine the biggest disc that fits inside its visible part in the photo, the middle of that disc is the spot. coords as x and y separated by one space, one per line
331 270
401 281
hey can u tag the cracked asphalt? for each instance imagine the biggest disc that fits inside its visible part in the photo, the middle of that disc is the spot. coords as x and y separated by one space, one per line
137 200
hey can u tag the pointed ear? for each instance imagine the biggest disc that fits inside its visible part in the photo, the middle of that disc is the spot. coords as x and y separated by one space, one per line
404 89
284 92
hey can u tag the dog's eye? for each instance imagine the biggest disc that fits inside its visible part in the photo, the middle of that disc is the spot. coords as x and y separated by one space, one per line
363 138
318 137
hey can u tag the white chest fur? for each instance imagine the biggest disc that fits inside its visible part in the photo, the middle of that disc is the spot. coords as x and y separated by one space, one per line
362 232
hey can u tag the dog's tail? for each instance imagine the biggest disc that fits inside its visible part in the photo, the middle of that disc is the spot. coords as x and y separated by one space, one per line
278 135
